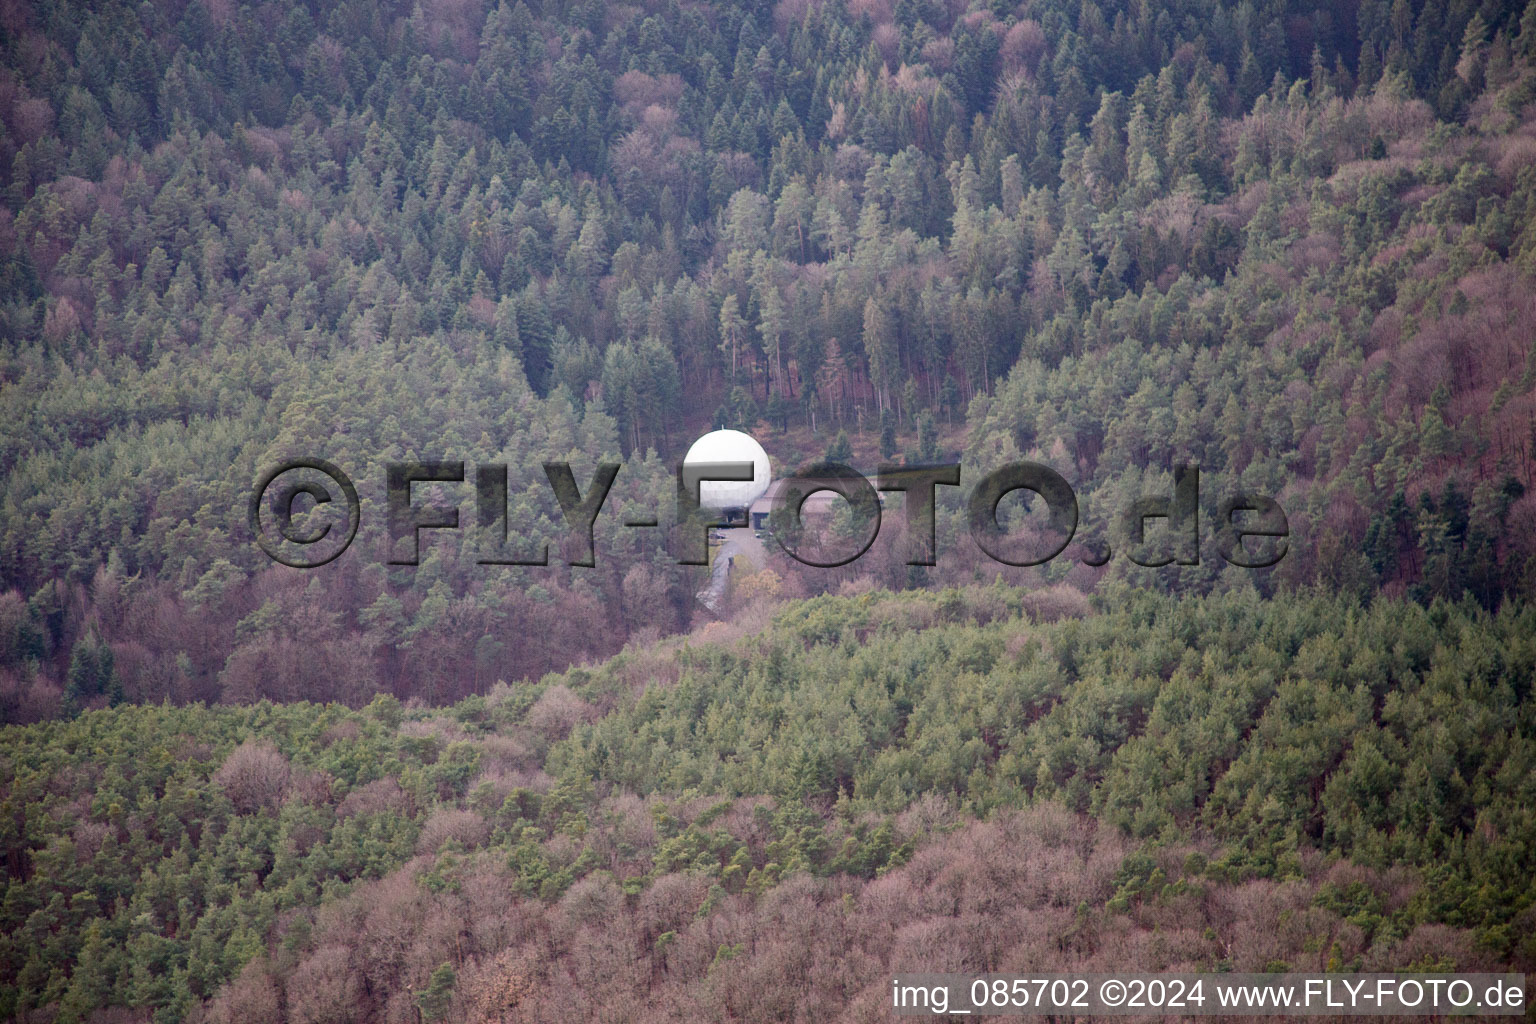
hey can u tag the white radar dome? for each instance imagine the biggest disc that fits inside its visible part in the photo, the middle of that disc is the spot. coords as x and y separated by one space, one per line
730 446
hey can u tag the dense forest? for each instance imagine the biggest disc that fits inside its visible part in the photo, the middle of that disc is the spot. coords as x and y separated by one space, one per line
1290 242
763 825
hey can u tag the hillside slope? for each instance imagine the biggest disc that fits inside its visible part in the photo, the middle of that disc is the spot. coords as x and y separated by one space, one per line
768 825
1290 241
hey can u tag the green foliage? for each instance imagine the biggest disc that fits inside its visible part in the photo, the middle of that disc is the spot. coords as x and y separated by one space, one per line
841 449
91 672
1110 242
434 1000
141 873
241 237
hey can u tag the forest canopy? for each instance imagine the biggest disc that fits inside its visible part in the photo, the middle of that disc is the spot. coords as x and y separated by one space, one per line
1288 242
1292 243
1211 784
